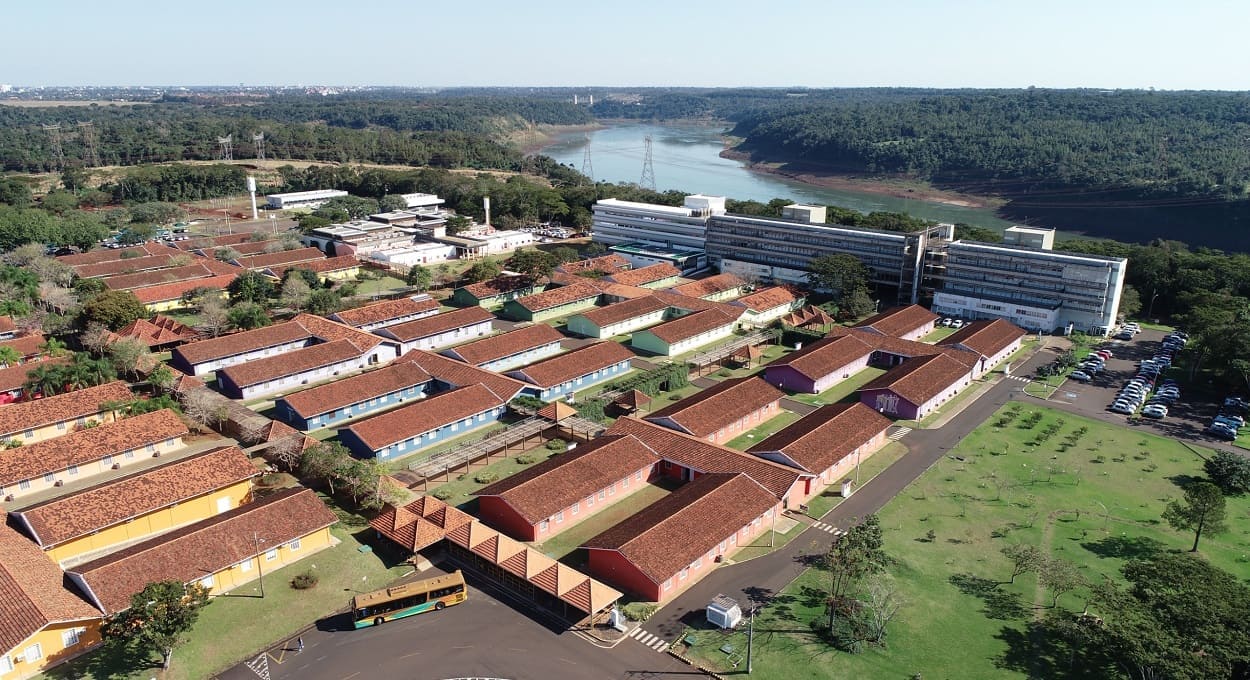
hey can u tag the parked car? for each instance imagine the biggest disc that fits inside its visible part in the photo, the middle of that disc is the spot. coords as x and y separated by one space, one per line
1155 411
1122 408
1080 376
1123 335
1222 431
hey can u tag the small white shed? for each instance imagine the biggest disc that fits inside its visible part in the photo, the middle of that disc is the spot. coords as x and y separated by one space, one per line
724 612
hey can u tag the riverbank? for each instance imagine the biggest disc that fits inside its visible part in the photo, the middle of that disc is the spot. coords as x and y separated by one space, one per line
534 139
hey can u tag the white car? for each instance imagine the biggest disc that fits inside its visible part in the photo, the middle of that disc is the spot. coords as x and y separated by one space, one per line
957 323
1155 411
946 322
1080 375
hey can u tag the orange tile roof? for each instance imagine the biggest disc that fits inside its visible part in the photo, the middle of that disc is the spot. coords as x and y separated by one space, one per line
91 510
498 286
822 438
283 257
239 343
496 347
666 536
378 432
173 291
156 277
986 338
15 418
133 264
325 266
419 524
160 330
556 297
208 546
649 274
109 254
899 321
358 388
297 361
920 379
385 310
574 364
329 330
12 378
623 311
705 412
459 374
7 325
85 446
709 286
434 324
690 325
767 298
26 345
826 355
33 594
605 263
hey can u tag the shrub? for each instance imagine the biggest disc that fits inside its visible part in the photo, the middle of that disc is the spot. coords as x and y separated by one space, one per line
674 397
443 494
270 479
557 444
526 459
486 477
639 611
304 581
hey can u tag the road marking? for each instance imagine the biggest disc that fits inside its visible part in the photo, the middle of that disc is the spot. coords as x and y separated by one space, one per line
571 663
898 433
408 655
352 675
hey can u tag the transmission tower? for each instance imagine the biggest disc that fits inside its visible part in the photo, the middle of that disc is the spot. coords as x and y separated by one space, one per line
227 147
258 139
648 172
588 168
86 131
54 138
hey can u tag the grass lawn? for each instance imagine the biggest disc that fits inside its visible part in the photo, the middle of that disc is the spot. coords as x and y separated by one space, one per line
771 351
746 440
817 506
235 625
938 333
843 391
385 284
564 545
461 489
182 316
1091 494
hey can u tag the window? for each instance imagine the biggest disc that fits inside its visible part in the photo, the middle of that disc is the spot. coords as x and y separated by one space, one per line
151 448
49 478
601 494
638 475
60 426
33 652
69 638
685 571
169 442
293 545
559 517
6 663
271 554
73 469
590 500
107 461
245 565
668 585
542 526
24 484
575 508
28 434
208 581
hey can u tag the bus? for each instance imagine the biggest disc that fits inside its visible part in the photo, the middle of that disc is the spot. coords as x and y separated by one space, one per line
380 606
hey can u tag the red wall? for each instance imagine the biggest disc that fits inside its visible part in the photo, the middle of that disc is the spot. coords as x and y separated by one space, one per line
612 567
496 513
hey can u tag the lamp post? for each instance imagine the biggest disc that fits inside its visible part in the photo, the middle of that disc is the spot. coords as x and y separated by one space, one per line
750 637
1151 308
260 572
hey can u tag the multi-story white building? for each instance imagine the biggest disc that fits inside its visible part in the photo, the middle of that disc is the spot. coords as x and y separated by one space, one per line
617 222
1036 289
302 199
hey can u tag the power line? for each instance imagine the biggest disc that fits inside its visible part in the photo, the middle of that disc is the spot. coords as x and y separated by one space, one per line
258 140
54 138
648 171
227 147
588 168
86 130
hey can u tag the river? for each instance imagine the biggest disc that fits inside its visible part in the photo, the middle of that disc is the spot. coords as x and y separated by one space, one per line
687 158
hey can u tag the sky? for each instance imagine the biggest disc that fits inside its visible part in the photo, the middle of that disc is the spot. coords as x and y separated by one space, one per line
1165 44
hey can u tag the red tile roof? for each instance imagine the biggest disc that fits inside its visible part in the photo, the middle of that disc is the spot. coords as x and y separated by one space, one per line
378 432
556 297
239 343
356 389
133 264
920 379
156 277
33 594
668 535
326 266
161 330
649 274
899 321
498 286
986 338
15 418
409 331
767 298
703 413
173 291
12 378
823 357
80 447
329 330
825 436
213 242
905 348
503 345
420 524
690 325
605 263
110 254
298 361
709 286
91 510
208 546
574 364
459 374
385 310
7 325
623 311
26 345
284 257
704 456
538 491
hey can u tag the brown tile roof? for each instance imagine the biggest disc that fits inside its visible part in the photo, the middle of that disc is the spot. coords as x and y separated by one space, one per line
32 591
666 536
213 242
385 311
459 374
380 431
160 330
574 364
704 456
497 347
767 298
556 297
14 418
109 254
284 257
825 436
63 519
420 524
329 330
705 412
239 343
329 264
709 286
986 338
358 388
173 291
898 321
12 378
605 263
906 348
26 345
308 358
695 304
437 323
826 355
690 325
156 277
134 264
88 445
622 311
920 379
498 286
7 325
247 248
538 491
203 548
649 274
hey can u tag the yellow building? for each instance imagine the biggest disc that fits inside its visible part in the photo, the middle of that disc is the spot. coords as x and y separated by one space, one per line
30 422
220 552
41 622
87 523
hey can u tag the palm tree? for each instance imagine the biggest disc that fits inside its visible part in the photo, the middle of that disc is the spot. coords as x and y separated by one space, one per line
44 379
53 347
89 372
9 356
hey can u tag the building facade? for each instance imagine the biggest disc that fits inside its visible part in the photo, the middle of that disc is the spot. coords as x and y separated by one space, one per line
417 426
685 333
440 330
354 397
620 222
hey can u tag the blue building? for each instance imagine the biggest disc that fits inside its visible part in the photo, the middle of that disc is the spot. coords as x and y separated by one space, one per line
419 425
508 350
360 395
567 373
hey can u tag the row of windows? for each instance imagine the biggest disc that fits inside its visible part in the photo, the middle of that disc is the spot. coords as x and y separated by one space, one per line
72 470
719 549
602 494
246 565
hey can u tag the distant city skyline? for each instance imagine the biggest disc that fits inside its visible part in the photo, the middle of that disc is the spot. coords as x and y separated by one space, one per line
731 43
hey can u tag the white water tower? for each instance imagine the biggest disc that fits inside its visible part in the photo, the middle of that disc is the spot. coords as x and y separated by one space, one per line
486 207
251 189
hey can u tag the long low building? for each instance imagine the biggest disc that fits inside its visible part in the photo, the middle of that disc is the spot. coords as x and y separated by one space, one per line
685 333
35 421
440 330
303 199
305 330
412 428
619 318
553 303
387 312
291 370
827 443
509 350
579 369
354 397
723 411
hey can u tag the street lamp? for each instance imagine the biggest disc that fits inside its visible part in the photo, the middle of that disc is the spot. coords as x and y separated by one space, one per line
260 572
1151 308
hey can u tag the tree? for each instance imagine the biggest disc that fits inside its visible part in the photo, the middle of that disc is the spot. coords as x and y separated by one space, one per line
250 286
328 461
1130 302
158 617
129 356
595 249
854 556
1229 471
1024 559
392 202
565 254
882 601
419 278
840 275
324 302
87 288
1201 511
457 224
9 356
295 293
162 378
213 316
483 270
59 202
156 212
856 304
532 262
114 309
204 407
1058 576
248 315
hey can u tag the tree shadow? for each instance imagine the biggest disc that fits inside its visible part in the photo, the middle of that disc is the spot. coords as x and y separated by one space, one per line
113 659
999 604
1125 547
1184 481
1039 651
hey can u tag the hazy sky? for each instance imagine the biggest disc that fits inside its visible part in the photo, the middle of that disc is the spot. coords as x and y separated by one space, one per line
1166 44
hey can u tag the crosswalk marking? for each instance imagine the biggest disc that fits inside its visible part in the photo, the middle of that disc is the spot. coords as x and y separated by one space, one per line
653 641
1018 378
828 528
898 432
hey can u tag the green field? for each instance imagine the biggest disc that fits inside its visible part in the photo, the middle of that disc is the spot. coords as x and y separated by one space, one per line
1095 502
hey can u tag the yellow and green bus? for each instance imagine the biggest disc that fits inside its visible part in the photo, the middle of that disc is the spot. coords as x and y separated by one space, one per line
380 606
